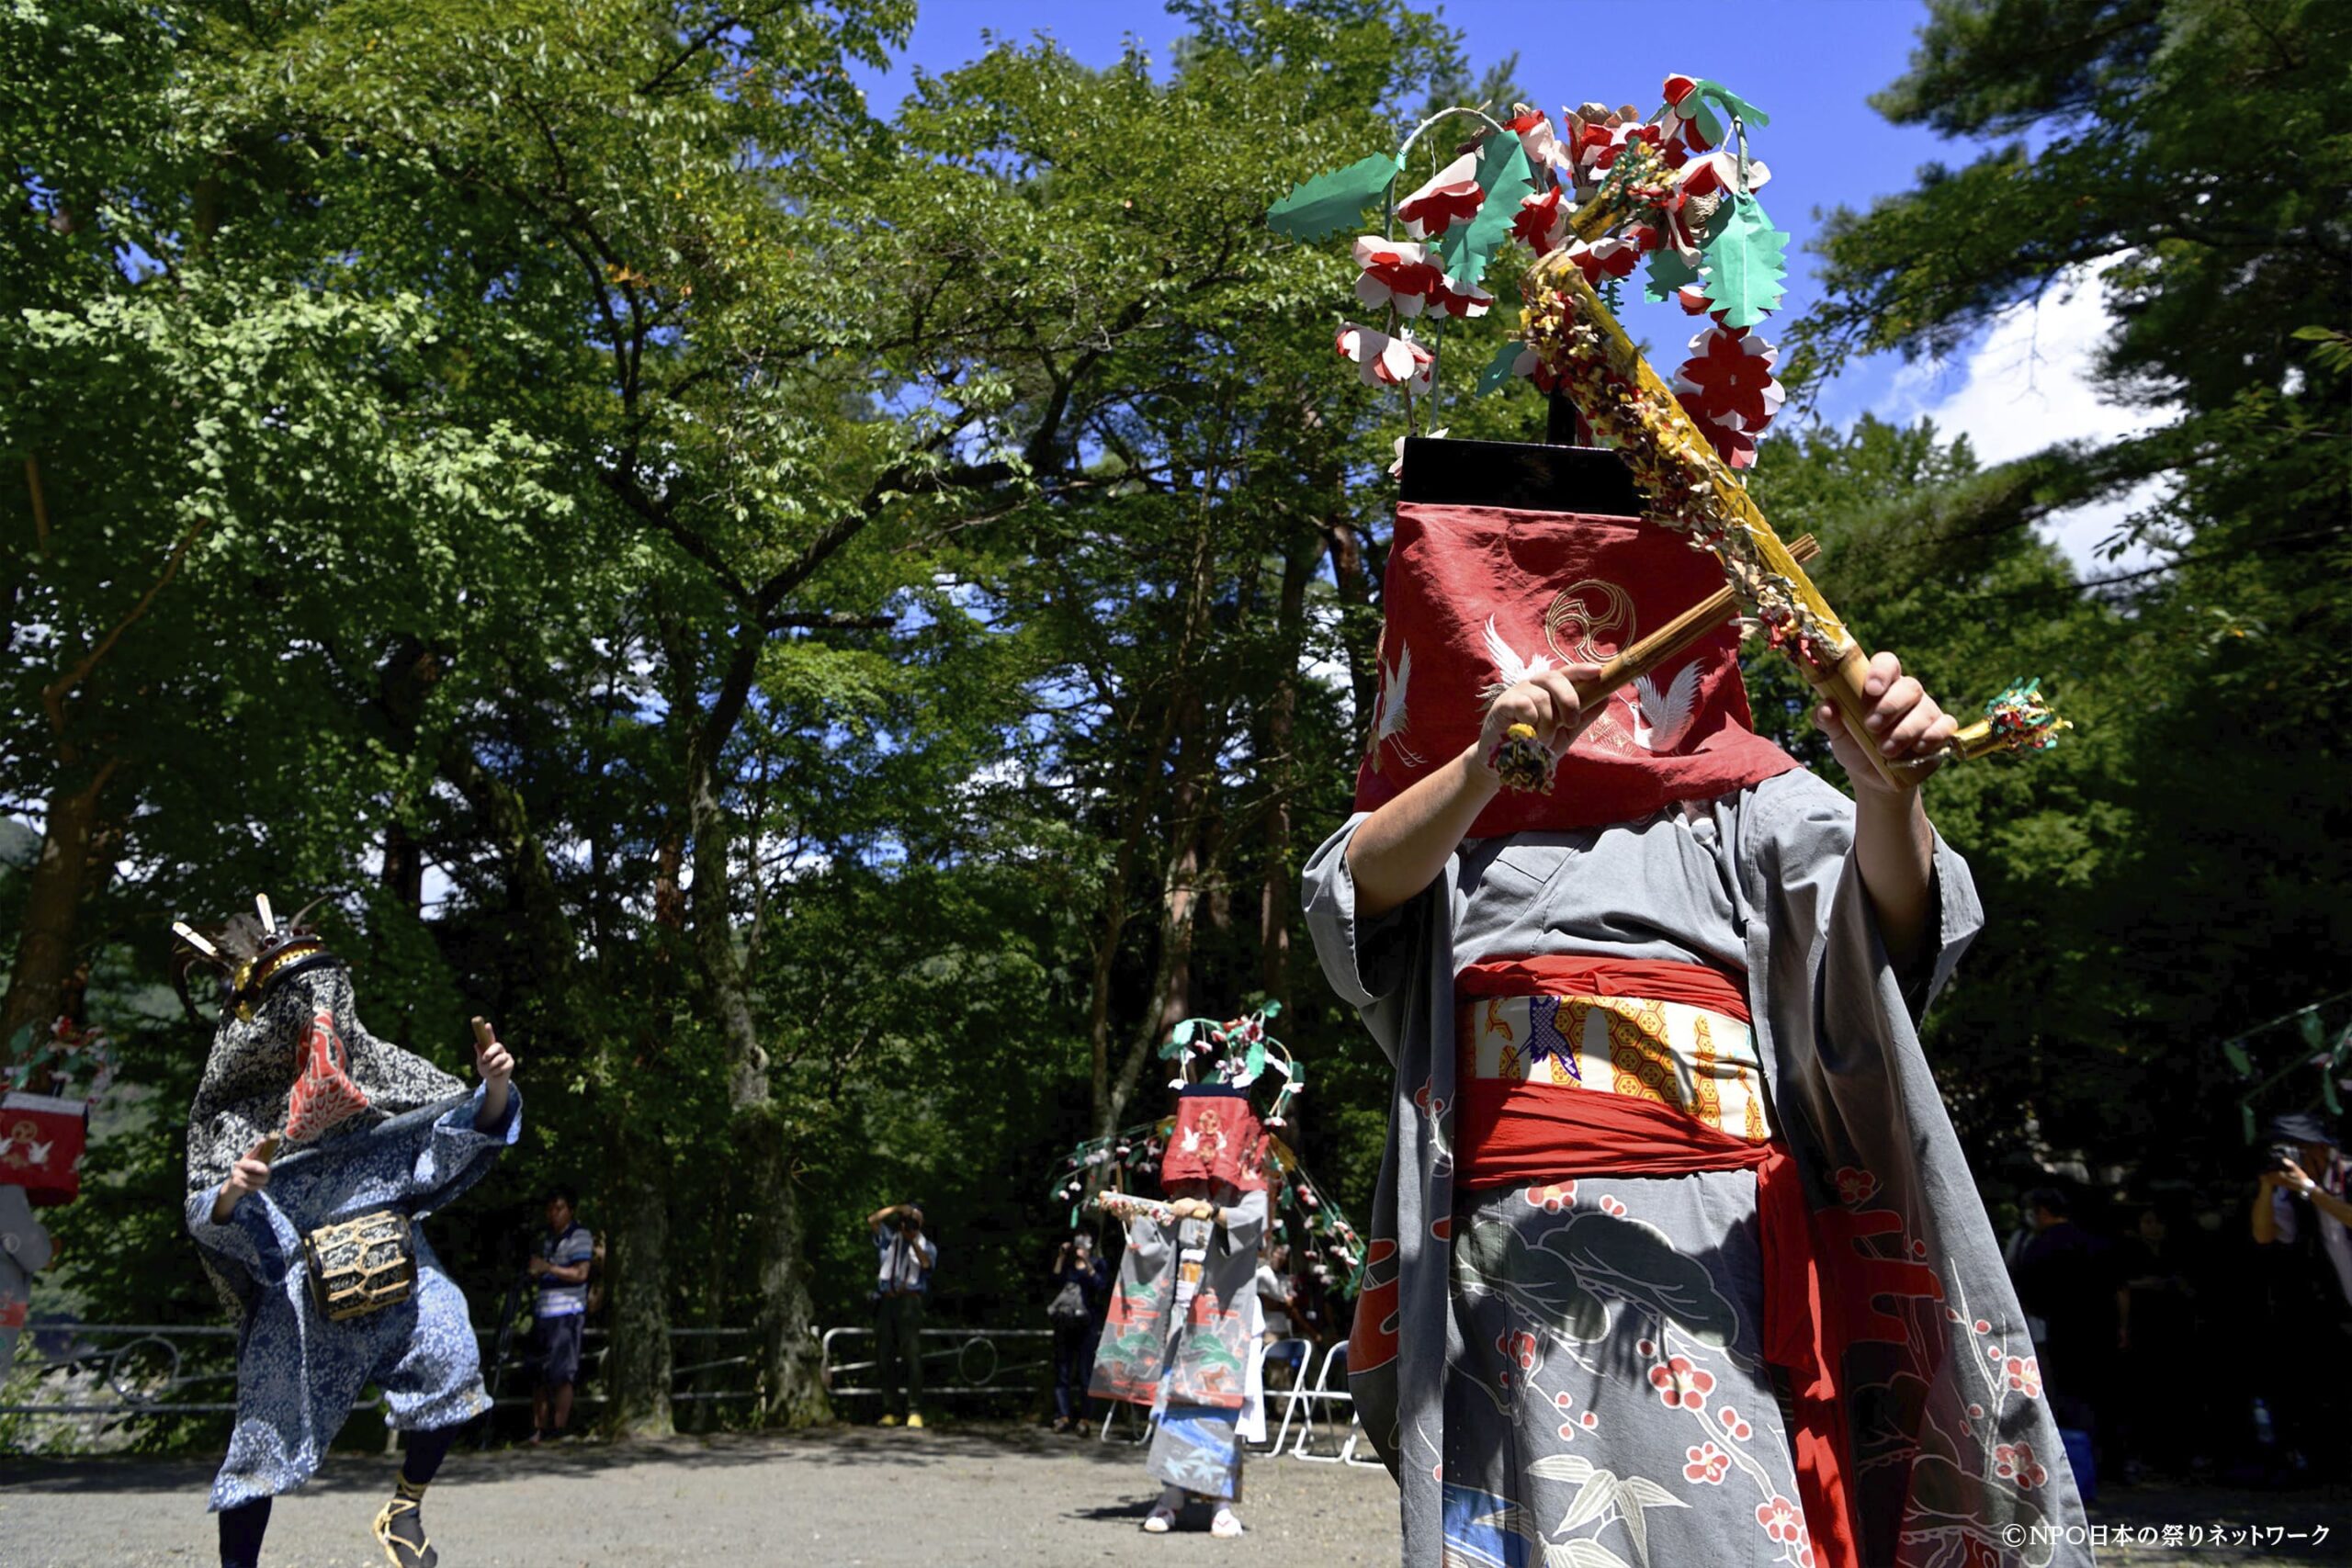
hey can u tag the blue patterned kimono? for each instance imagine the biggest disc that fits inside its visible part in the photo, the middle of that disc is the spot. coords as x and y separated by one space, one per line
298 1372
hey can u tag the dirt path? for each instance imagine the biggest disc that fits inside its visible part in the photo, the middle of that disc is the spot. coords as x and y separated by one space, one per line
845 1496
863 1498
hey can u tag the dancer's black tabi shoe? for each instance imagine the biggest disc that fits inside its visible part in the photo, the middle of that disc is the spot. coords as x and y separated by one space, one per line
400 1530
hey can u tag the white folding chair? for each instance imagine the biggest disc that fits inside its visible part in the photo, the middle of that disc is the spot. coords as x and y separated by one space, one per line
1322 1395
1299 1354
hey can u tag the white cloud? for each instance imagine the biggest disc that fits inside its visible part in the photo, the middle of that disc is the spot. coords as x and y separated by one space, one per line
2027 386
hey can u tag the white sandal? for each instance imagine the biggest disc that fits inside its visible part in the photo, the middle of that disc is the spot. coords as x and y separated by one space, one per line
1159 1521
1227 1523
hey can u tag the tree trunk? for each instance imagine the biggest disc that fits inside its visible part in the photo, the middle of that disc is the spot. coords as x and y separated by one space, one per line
1279 876
637 1382
46 960
789 1364
1351 571
1171 989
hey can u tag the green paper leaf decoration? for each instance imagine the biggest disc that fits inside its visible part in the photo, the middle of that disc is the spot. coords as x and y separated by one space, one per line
1503 173
2327 1092
1745 262
1710 127
1255 1063
1499 369
2245 1112
1669 273
2240 1063
1731 103
2314 1032
1333 201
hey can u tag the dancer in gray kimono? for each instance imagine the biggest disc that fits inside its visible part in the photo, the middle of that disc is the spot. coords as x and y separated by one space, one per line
1185 1332
313 1150
1675 1257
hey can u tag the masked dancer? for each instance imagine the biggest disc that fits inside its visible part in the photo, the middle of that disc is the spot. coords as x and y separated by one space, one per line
1673 1250
314 1149
1185 1334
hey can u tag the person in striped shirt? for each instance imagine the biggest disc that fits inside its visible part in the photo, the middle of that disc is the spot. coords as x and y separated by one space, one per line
560 1264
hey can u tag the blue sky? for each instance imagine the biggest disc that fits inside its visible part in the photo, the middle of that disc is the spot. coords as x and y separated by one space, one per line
1812 66
1809 64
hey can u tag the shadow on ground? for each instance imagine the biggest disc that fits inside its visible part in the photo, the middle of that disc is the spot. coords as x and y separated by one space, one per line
864 1448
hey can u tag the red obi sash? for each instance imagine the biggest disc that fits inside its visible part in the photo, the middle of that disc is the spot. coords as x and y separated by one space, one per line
1512 1133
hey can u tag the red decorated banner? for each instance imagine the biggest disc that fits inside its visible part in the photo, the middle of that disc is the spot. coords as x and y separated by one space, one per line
1478 596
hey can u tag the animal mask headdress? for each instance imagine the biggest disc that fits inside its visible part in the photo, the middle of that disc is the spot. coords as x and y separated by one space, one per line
1218 1136
290 1059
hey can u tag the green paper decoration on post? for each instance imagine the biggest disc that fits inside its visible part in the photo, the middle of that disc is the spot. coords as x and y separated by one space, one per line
1746 261
1330 202
1499 369
1669 273
1731 103
1504 175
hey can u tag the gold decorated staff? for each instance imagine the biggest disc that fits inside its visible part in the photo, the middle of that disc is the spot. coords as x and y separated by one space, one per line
1592 361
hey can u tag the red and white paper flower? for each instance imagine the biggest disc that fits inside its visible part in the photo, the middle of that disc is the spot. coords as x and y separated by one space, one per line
1398 272
1728 388
1454 195
1385 361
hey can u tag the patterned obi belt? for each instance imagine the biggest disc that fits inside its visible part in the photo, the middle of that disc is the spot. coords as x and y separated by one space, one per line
1596 1067
1674 1036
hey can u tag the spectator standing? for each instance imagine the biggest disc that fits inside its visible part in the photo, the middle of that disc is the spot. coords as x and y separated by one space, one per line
560 1263
2301 1221
1275 1291
905 1259
2158 1301
1079 1278
2066 1277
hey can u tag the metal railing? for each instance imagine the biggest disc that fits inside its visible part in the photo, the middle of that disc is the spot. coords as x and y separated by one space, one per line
149 1368
977 1356
108 1373
1311 1405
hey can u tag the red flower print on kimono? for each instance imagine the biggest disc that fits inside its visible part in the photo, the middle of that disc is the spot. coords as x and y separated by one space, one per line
1855 1185
2015 1461
1682 1385
1707 1465
1781 1521
1733 1426
2025 1375
1552 1197
1571 1425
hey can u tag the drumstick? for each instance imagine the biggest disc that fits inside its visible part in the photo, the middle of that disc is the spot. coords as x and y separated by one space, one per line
484 1036
1642 657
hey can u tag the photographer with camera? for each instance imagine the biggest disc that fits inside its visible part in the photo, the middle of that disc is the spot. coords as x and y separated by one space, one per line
2300 1218
903 1280
1080 1276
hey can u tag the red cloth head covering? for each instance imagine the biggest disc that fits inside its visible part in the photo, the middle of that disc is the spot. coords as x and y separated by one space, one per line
1216 1138
1566 589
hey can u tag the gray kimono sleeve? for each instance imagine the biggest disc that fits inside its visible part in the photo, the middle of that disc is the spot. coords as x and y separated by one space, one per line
1366 960
1827 941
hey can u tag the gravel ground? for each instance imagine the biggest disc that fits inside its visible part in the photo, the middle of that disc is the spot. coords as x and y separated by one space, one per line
864 1498
851 1496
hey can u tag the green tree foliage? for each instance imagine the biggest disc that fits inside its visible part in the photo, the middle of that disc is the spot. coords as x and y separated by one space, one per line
799 618
838 629
2125 160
